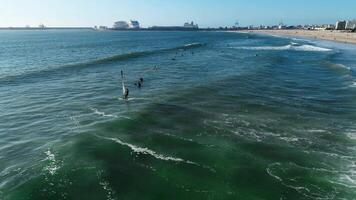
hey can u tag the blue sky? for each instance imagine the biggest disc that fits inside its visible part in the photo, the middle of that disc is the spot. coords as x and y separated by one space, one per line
207 13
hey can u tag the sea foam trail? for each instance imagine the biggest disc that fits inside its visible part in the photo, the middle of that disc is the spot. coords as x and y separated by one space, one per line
103 114
305 47
146 151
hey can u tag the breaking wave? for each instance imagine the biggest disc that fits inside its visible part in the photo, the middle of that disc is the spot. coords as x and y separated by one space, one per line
291 47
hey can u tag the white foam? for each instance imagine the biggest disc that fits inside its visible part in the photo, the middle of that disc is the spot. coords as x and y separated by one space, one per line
192 44
300 189
110 193
103 114
353 84
351 134
289 139
265 48
310 48
53 165
269 172
345 181
143 150
317 131
131 99
305 47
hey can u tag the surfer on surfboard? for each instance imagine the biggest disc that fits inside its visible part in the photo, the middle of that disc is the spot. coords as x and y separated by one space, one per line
125 91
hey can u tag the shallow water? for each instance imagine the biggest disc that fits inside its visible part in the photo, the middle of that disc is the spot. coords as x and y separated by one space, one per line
219 116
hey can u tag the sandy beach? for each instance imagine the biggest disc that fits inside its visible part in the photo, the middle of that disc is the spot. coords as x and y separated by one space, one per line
345 37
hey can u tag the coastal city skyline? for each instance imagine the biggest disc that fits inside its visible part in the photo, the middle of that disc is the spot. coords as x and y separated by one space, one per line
214 14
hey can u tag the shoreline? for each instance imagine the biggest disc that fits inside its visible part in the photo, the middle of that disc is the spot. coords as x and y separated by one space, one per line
335 36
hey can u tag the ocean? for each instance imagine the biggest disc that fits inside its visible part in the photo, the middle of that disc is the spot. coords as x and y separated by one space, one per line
220 115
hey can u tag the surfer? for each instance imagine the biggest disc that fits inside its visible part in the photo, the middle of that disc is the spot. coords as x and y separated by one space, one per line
126 94
125 91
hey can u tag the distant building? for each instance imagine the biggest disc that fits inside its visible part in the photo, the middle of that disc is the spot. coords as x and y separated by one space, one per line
350 25
340 25
100 28
281 25
121 25
41 26
330 27
190 25
323 27
186 27
134 24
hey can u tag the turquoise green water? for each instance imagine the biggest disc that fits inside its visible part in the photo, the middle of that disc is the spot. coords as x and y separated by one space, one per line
219 116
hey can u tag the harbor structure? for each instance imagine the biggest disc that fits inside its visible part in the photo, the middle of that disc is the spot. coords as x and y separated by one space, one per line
186 27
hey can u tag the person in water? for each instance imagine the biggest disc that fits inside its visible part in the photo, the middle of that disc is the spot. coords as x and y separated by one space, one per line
126 94
139 82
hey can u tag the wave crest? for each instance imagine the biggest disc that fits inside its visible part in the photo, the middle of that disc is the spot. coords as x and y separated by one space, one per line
146 151
291 47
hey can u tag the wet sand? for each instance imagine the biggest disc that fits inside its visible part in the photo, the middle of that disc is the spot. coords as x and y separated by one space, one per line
338 36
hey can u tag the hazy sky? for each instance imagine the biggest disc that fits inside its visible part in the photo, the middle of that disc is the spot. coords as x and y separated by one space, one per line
206 13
